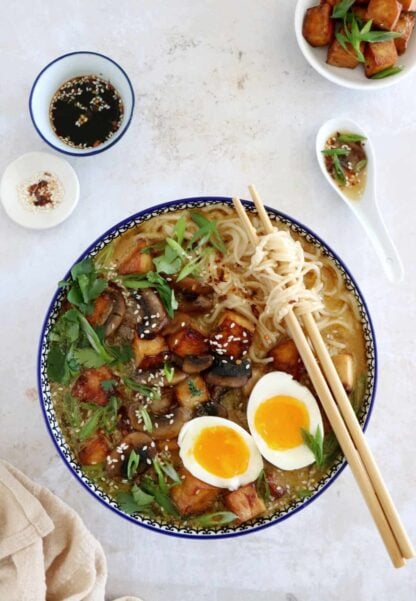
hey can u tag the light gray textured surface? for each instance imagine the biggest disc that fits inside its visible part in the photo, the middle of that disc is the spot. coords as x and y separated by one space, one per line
224 98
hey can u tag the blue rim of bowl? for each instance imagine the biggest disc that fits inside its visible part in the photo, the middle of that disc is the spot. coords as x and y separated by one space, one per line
140 214
68 152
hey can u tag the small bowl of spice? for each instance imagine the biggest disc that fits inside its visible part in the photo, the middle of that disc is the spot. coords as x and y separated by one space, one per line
81 103
39 190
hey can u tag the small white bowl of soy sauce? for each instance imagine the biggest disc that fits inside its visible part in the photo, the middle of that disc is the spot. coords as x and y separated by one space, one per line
82 103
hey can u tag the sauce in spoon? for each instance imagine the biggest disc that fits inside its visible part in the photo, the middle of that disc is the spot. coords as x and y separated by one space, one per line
346 162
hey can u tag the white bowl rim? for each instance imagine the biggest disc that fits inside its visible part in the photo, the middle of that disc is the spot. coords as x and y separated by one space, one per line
322 69
100 148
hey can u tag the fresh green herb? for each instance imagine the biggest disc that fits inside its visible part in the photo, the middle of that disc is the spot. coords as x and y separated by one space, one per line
262 486
358 392
304 493
147 422
353 35
207 232
71 410
341 9
338 171
108 385
133 464
122 353
104 257
219 518
57 366
151 393
61 363
193 388
94 339
336 151
101 417
387 72
88 358
361 165
86 285
170 261
170 471
134 501
161 498
315 444
351 138
160 477
154 280
331 449
169 372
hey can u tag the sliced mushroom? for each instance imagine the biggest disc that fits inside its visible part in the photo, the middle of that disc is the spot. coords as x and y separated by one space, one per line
201 304
162 405
118 459
116 316
193 364
211 408
192 286
230 374
164 426
152 317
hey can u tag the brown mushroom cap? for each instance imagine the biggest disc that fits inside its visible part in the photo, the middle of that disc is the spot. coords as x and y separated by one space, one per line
118 457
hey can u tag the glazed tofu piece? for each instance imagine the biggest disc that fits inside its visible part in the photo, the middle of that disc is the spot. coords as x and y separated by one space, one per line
193 496
137 261
233 336
318 27
245 503
150 354
188 341
384 13
379 56
94 451
286 358
344 365
405 26
338 57
191 392
88 386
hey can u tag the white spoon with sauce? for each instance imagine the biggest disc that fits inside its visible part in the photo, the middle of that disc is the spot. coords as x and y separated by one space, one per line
363 201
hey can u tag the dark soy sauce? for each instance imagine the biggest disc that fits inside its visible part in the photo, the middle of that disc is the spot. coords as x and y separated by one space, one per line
86 111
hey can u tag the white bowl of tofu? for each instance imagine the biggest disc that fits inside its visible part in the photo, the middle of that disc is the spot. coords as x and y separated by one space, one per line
372 44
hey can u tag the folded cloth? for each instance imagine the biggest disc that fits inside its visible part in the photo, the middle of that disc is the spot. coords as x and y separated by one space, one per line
46 552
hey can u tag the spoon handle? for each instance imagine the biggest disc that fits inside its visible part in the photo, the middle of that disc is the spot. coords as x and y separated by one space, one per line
374 225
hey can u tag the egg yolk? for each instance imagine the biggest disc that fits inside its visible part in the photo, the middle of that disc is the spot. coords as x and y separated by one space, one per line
279 421
221 451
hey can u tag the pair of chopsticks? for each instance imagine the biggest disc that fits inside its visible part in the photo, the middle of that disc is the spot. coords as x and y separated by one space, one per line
340 414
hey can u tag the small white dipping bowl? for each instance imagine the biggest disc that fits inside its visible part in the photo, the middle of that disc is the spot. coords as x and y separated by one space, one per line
67 67
349 78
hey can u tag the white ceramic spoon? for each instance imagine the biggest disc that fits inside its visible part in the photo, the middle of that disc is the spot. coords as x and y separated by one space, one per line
365 208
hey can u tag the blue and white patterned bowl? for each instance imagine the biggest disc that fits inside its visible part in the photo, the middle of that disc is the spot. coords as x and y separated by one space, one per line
65 451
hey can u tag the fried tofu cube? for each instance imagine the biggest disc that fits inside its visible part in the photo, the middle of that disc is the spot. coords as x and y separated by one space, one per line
94 451
286 358
318 27
101 309
405 26
137 261
188 341
344 365
88 386
384 13
233 335
191 392
193 496
245 503
379 56
338 57
149 354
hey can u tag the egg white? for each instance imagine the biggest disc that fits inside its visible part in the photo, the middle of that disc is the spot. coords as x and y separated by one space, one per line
186 441
279 383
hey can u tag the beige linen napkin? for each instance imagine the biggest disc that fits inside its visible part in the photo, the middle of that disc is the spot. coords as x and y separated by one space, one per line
46 552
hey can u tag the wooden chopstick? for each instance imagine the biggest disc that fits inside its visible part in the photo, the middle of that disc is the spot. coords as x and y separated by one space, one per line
347 412
335 418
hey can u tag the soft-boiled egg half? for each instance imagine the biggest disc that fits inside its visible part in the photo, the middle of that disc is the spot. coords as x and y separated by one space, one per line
277 411
219 452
